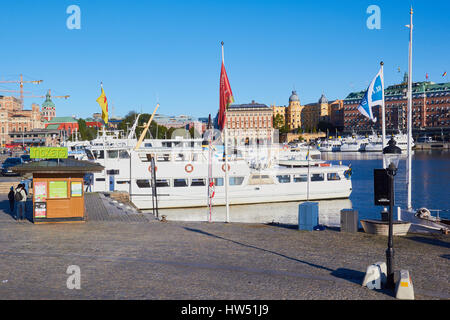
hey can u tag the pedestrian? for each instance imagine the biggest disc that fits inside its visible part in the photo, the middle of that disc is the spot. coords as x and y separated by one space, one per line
11 200
20 197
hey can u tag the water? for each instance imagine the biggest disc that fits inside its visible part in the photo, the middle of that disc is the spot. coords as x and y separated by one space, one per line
430 181
430 189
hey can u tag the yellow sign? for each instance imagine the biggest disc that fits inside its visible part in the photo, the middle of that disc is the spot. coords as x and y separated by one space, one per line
48 153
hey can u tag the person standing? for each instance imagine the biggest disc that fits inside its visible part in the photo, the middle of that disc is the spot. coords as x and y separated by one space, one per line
20 197
11 200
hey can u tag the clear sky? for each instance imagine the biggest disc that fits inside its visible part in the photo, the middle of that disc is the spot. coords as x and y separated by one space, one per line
169 51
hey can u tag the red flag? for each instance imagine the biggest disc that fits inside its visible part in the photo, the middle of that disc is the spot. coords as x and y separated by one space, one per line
426 76
226 97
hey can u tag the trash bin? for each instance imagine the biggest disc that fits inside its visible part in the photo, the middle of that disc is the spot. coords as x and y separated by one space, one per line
308 215
349 220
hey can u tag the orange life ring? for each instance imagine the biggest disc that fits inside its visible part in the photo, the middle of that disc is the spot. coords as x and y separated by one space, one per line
223 167
189 168
150 168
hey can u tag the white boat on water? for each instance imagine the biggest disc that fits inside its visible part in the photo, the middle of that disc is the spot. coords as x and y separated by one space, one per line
182 179
182 167
330 145
354 144
376 144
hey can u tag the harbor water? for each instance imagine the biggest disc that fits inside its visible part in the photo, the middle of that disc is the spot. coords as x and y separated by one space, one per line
430 189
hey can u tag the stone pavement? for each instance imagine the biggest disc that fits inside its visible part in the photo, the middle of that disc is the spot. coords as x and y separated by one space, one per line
188 260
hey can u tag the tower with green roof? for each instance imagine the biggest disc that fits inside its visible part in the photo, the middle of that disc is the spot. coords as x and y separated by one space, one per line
48 108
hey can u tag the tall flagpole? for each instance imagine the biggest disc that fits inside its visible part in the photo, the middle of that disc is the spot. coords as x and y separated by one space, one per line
383 113
409 161
227 219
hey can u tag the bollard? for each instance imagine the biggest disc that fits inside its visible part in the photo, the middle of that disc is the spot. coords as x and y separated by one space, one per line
375 276
404 288
349 220
308 216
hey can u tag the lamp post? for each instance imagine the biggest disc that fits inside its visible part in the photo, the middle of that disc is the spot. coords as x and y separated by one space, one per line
391 157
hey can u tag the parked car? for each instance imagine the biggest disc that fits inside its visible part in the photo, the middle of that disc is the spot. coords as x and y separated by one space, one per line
26 158
8 164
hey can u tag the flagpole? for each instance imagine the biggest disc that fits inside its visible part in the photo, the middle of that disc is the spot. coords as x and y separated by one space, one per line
383 112
409 161
227 218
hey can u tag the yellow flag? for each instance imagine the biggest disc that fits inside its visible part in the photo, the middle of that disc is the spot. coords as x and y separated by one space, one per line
103 102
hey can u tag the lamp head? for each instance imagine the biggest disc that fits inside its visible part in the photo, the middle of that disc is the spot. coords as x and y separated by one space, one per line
391 154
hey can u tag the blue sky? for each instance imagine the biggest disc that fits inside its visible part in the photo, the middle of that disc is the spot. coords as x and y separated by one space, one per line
169 51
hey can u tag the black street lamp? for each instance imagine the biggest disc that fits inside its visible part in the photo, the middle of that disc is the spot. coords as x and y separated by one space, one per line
391 157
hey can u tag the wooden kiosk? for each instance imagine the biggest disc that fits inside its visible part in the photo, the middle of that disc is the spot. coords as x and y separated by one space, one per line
58 189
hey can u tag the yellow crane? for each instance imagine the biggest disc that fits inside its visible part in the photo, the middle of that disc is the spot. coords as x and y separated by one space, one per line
21 82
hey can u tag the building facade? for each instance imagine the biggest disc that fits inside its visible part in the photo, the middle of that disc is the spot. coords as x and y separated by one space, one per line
13 118
250 123
430 108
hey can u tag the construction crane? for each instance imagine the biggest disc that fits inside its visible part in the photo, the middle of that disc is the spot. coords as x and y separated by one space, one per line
50 95
21 82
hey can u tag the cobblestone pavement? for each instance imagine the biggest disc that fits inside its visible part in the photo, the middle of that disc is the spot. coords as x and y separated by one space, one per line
99 208
181 260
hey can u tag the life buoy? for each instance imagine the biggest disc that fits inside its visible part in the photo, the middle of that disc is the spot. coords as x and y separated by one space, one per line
189 168
223 167
211 190
150 168
286 147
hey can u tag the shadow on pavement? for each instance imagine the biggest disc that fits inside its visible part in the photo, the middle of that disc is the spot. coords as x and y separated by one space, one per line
432 241
5 209
350 275
254 247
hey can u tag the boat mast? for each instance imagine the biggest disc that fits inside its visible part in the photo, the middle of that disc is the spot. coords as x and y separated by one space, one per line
409 125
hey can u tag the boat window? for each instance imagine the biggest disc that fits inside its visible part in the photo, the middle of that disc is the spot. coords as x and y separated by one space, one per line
179 157
123 154
284 178
333 176
99 154
100 179
89 154
236 181
180 183
161 183
198 182
143 183
163 157
113 154
123 182
317 177
300 177
147 145
218 182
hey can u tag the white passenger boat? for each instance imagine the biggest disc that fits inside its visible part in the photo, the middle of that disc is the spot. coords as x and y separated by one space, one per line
182 179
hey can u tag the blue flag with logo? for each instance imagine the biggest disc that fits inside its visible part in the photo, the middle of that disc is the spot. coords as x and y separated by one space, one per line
373 96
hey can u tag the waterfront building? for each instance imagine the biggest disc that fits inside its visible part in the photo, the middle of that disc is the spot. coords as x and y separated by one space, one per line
307 117
65 125
13 118
36 137
430 108
250 123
